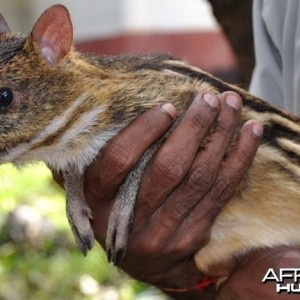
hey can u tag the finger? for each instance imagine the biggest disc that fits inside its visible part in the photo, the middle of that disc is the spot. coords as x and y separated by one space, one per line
125 149
172 160
236 165
229 177
203 172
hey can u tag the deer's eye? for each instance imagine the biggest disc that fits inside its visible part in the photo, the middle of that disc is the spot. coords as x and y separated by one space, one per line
6 98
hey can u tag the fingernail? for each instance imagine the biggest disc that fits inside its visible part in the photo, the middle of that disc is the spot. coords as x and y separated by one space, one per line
234 102
211 100
170 109
257 130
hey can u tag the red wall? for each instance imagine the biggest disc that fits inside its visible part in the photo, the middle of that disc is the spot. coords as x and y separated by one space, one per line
207 50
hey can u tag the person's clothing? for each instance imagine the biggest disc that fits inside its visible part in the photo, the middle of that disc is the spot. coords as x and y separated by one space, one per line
276 77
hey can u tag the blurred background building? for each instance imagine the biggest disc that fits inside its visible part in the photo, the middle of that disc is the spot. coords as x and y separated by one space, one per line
184 29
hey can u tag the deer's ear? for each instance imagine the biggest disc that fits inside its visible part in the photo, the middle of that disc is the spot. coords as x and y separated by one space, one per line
4 28
53 33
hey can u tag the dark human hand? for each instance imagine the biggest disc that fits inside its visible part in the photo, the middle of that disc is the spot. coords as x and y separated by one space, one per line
183 189
245 281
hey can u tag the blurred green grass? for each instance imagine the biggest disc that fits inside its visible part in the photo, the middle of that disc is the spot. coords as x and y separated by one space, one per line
53 268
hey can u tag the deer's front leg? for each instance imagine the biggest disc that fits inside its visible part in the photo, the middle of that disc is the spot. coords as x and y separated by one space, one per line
78 212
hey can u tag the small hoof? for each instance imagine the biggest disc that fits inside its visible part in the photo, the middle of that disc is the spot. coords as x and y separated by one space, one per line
82 230
119 227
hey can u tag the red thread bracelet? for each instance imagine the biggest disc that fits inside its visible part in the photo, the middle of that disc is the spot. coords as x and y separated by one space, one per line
202 284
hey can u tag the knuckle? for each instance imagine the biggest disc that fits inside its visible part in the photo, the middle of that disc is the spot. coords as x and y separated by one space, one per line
227 124
200 179
198 121
223 189
152 246
243 156
167 168
145 240
224 127
184 244
180 209
119 157
181 249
